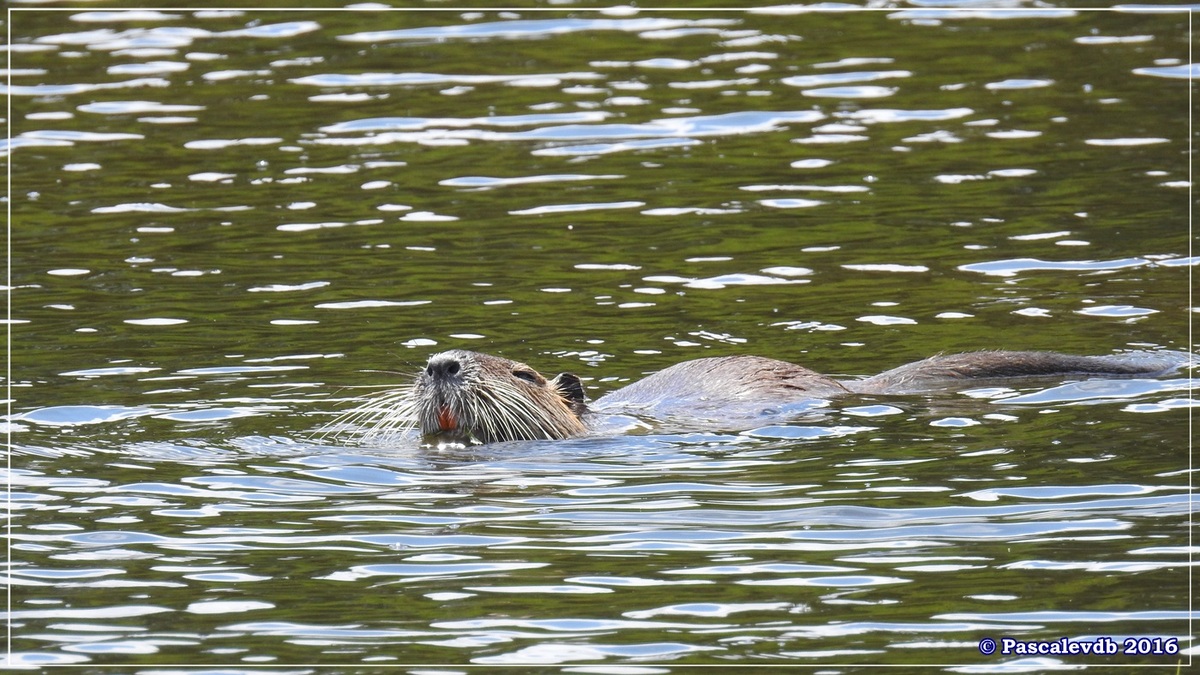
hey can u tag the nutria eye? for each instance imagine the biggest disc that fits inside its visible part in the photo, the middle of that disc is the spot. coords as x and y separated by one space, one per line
527 375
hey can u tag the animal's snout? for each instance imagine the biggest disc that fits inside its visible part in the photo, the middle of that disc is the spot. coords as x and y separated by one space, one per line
444 365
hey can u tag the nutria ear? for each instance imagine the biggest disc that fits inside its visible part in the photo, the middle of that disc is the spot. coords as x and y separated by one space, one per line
569 386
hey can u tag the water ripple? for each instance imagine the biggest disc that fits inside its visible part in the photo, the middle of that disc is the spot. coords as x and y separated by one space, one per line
527 29
1008 268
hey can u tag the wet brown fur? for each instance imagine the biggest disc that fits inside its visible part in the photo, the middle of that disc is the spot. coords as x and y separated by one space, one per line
474 397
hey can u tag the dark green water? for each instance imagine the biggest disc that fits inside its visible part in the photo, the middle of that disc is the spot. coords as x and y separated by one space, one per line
224 223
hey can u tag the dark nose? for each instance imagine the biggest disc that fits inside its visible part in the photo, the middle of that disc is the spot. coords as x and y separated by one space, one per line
442 366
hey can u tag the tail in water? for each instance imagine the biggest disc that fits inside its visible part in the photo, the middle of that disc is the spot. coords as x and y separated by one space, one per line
945 369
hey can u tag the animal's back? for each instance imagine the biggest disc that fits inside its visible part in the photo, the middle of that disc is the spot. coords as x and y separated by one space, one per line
709 382
739 385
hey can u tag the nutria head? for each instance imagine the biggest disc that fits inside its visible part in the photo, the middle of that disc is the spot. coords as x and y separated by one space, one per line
473 398
483 398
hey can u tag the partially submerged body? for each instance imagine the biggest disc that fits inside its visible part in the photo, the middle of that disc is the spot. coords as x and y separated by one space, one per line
480 398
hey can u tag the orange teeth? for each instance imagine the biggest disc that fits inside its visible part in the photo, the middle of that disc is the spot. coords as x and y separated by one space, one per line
445 419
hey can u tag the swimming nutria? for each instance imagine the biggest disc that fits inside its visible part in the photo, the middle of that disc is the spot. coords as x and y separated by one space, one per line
479 398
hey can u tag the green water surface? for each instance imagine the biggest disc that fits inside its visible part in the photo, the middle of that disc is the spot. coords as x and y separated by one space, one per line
224 223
